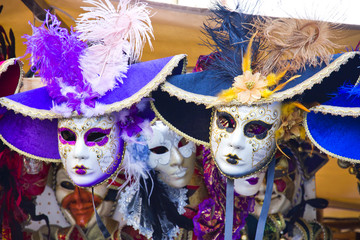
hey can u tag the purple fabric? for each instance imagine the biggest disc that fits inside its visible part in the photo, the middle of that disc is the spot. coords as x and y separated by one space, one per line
33 136
138 76
209 223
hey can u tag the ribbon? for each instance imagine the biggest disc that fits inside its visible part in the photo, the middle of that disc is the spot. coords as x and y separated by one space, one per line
266 205
100 223
229 212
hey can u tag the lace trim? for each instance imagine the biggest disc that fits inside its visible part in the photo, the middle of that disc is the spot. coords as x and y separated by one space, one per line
276 97
177 196
323 149
132 219
173 128
337 111
114 107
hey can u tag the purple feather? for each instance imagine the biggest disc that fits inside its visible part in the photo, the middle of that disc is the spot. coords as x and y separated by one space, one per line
55 52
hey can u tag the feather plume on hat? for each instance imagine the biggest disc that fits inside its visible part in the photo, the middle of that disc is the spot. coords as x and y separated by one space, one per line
288 43
80 67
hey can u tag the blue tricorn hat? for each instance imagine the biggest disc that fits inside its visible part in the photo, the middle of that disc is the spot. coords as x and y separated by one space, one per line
334 126
249 68
298 52
183 99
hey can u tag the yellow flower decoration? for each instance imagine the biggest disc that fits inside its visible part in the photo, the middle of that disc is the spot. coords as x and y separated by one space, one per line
249 86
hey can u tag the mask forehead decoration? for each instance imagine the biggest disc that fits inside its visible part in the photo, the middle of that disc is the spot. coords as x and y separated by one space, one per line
90 148
243 138
171 155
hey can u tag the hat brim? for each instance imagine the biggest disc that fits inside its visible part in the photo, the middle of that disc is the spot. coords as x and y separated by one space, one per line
142 78
203 87
182 99
33 138
29 127
334 135
11 75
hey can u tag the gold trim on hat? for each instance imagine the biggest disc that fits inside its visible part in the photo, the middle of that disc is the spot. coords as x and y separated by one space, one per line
275 97
337 111
12 61
29 155
177 131
114 107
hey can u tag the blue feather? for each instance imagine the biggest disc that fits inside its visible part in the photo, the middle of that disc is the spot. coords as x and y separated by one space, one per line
229 32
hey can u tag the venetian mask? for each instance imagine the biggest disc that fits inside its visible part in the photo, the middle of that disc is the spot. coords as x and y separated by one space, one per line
90 148
76 203
249 186
243 138
171 155
285 188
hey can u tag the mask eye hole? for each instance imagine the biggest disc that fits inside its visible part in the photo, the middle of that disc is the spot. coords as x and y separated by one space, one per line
67 136
182 142
259 129
225 121
95 137
67 185
159 150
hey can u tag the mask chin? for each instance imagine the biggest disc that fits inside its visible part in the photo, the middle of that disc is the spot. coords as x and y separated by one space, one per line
243 138
249 186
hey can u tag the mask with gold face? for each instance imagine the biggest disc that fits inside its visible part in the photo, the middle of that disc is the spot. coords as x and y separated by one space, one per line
90 148
243 138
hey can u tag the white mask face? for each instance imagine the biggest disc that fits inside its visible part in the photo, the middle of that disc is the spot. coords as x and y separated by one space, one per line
171 155
90 148
243 138
249 186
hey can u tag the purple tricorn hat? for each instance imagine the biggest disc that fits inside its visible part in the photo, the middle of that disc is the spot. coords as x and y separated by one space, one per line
84 78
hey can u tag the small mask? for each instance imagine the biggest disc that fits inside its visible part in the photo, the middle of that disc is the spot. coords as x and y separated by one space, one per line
249 186
285 188
90 148
76 203
171 155
243 138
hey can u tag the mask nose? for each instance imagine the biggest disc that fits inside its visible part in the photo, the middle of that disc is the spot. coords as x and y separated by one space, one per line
80 195
176 159
81 151
237 139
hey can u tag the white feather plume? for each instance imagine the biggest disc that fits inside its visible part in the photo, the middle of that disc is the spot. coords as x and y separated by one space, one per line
118 36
